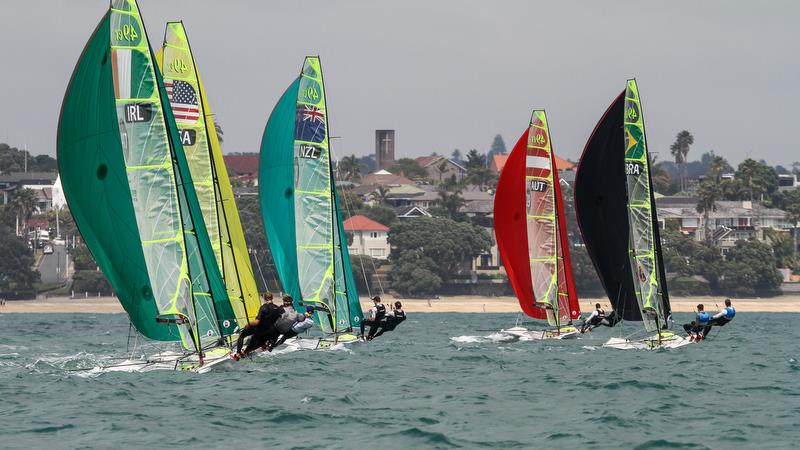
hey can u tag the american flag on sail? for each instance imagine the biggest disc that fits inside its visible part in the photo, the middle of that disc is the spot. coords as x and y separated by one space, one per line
537 163
183 100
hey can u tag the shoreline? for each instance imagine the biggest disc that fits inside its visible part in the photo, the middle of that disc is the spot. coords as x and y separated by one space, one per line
454 304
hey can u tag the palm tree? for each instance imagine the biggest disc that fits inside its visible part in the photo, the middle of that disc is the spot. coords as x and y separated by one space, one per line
450 199
442 169
24 203
709 192
220 133
350 168
480 176
380 195
680 150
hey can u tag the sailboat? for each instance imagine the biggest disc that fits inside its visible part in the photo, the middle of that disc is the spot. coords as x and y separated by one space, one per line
129 188
617 215
531 233
301 210
198 136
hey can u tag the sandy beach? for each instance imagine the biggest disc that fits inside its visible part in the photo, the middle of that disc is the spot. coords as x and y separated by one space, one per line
463 304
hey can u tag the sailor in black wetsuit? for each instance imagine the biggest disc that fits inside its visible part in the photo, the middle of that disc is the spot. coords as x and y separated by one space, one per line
695 328
259 328
594 320
392 320
376 314
721 318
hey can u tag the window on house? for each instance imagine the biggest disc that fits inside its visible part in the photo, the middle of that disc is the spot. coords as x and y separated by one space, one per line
376 252
373 234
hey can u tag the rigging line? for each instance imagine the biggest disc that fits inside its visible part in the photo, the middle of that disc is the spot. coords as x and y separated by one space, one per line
349 210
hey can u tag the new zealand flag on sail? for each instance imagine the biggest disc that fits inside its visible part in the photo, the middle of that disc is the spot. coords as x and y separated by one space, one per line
309 124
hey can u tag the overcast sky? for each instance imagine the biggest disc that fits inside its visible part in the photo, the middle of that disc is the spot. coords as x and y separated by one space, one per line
449 74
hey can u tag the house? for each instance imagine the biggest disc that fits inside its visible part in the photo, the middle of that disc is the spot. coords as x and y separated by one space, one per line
243 167
440 168
732 220
384 178
39 182
369 237
498 161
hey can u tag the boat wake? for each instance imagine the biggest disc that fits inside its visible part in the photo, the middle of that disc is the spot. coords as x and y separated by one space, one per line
494 337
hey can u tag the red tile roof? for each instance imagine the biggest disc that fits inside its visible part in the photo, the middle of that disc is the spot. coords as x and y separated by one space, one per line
363 223
242 164
500 160
385 179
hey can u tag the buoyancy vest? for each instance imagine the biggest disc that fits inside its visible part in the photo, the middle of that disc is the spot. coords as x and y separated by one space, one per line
286 320
380 311
399 315
730 312
601 314
703 318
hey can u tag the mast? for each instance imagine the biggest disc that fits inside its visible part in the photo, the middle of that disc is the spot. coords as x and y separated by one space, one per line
125 178
531 230
204 157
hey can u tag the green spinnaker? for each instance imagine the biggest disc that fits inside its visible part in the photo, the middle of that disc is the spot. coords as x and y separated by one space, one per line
129 188
204 156
649 283
301 213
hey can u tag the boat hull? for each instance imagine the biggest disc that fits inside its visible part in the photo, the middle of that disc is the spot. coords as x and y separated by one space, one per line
667 340
537 335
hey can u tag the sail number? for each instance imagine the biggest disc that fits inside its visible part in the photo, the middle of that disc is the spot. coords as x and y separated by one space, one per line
311 93
537 186
126 33
178 65
310 152
634 168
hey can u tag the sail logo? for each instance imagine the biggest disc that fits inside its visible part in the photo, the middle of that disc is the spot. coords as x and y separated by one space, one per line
138 112
538 139
310 151
537 186
631 111
188 137
634 168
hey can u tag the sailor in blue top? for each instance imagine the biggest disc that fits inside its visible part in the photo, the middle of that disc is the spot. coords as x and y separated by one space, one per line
724 316
694 329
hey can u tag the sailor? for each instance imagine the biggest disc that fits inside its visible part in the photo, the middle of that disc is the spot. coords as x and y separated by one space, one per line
719 319
376 314
259 328
594 320
701 321
392 320
304 323
284 323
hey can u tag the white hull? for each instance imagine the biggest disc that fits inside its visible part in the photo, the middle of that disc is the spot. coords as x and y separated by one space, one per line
536 335
214 358
649 343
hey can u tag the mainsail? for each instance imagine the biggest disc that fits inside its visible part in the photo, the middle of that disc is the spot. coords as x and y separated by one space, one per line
129 188
299 205
199 139
531 228
616 211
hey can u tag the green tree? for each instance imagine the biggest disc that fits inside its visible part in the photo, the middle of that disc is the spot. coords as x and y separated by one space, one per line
680 151
220 132
758 180
15 265
91 281
414 274
380 195
498 145
782 247
790 202
23 204
409 168
475 159
378 213
349 168
456 156
439 245
750 270
349 202
709 192
450 200
481 176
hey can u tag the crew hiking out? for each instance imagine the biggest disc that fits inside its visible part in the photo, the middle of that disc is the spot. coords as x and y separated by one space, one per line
259 329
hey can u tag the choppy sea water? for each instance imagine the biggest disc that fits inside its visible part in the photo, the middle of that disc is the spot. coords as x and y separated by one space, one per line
416 387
